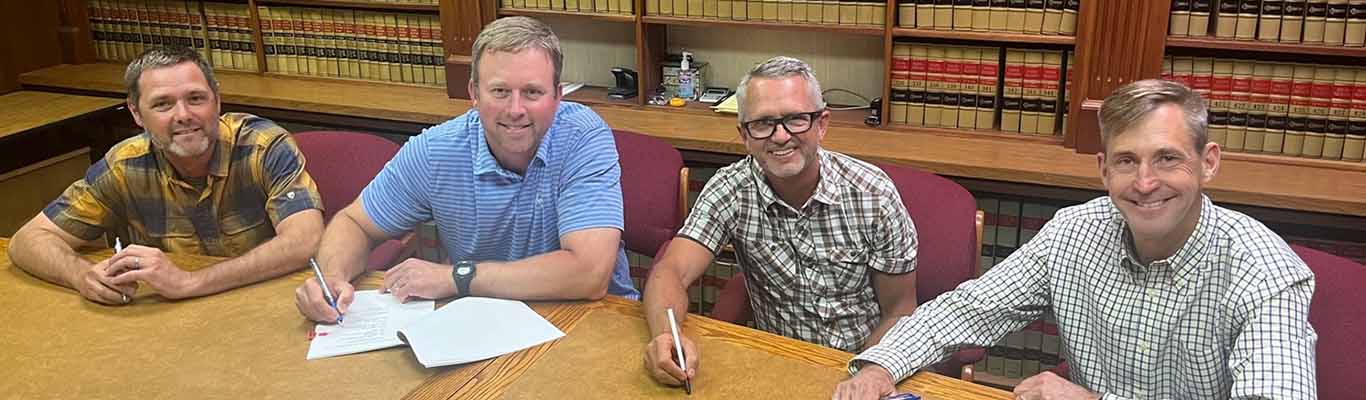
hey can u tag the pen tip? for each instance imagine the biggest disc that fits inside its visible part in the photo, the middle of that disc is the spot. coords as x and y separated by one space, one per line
687 386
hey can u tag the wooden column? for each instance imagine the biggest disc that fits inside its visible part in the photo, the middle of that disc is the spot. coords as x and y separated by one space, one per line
1118 41
461 21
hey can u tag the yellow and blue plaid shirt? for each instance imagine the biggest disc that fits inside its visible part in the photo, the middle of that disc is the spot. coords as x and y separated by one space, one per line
256 179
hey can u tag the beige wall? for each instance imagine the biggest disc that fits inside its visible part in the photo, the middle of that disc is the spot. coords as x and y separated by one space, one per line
592 48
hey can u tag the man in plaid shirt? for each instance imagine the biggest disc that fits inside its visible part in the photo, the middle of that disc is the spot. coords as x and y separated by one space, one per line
230 185
1158 293
826 245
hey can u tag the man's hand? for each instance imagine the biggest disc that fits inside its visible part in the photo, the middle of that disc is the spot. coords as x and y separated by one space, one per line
872 382
96 284
313 304
662 363
150 265
1050 386
416 278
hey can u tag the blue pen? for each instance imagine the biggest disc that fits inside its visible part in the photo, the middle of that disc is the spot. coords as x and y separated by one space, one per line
326 292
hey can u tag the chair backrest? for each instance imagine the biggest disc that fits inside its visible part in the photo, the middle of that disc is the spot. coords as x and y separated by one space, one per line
342 163
1335 313
945 217
650 189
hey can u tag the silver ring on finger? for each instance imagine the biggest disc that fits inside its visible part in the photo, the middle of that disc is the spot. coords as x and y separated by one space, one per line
125 298
137 263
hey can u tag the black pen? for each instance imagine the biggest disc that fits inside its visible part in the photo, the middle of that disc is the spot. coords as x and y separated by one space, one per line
678 346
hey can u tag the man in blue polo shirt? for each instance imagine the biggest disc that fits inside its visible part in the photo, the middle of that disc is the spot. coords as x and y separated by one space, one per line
525 191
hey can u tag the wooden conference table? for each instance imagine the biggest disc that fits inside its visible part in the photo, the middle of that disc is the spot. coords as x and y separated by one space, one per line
251 342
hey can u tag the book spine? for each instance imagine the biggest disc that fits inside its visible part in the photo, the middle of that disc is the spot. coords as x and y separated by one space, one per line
1257 107
1013 91
1335 26
1240 104
1069 18
1179 24
935 87
1269 25
962 15
1355 149
987 72
999 15
990 207
1034 16
981 15
1029 107
1221 86
943 14
1019 10
905 13
1049 101
1292 21
916 99
1356 24
1321 105
901 82
953 74
1339 117
967 94
1278 109
924 14
1315 20
1200 16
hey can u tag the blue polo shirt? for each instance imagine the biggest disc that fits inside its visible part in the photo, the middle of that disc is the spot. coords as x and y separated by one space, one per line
486 213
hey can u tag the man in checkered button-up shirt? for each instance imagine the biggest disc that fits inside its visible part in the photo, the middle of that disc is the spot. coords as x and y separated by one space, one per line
824 241
1158 293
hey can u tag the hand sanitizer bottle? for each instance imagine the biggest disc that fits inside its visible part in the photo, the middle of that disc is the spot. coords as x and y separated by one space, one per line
686 84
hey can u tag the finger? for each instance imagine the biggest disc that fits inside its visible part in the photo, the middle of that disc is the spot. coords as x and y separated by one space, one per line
130 277
99 293
667 363
345 294
693 356
320 311
660 351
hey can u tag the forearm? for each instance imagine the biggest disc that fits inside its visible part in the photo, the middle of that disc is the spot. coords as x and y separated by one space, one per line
344 249
664 290
46 256
884 324
277 256
556 275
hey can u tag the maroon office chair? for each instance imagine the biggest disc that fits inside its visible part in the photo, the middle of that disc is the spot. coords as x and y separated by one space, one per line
1335 313
949 231
654 193
342 163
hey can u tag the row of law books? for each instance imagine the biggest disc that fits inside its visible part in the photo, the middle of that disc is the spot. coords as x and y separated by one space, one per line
626 7
829 12
1047 17
1292 109
1317 22
122 29
1008 224
353 44
959 87
1024 353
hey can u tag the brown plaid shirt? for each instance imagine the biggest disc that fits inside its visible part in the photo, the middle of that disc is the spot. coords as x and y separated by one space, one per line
808 268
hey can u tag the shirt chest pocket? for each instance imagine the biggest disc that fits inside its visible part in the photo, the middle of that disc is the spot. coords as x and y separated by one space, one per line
242 231
842 272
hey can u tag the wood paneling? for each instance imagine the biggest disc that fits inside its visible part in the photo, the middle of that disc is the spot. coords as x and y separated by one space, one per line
29 38
1118 41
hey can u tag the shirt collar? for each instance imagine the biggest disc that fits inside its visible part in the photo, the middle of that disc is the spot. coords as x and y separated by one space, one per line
486 164
1186 259
827 187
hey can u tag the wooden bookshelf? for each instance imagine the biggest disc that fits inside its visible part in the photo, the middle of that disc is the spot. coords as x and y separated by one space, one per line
766 25
357 4
994 37
622 18
1265 47
1323 187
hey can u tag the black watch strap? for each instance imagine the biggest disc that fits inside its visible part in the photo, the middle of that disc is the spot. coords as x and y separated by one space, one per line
463 274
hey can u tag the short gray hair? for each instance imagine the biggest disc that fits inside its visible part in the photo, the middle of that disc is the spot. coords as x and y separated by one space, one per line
161 57
1132 103
780 67
514 34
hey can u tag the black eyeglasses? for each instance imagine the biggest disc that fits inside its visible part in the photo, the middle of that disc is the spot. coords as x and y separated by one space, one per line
796 123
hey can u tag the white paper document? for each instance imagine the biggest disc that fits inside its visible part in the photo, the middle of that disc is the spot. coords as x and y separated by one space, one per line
465 330
477 328
372 323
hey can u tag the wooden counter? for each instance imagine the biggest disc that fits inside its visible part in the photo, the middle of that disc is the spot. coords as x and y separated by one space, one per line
251 343
1273 182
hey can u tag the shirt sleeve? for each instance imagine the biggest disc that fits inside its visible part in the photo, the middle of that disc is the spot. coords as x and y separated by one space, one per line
1273 356
290 188
896 247
978 313
87 208
590 188
711 220
397 199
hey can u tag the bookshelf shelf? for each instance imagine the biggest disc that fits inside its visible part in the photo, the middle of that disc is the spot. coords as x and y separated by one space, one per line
1000 37
1264 47
597 95
369 5
990 133
625 18
850 29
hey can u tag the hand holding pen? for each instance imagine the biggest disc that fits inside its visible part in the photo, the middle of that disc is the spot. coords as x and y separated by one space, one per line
316 306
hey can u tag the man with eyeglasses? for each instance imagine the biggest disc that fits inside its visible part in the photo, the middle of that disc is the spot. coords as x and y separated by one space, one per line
1158 293
827 247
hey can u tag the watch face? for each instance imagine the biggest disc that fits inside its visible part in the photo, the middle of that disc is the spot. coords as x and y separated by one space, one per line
464 270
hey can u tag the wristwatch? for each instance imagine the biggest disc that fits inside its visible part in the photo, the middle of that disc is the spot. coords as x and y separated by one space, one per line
463 274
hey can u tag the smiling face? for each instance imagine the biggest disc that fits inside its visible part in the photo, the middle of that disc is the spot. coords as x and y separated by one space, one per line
783 155
517 99
1154 175
180 111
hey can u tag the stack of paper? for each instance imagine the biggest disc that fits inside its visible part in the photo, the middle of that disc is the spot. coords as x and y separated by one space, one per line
466 330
